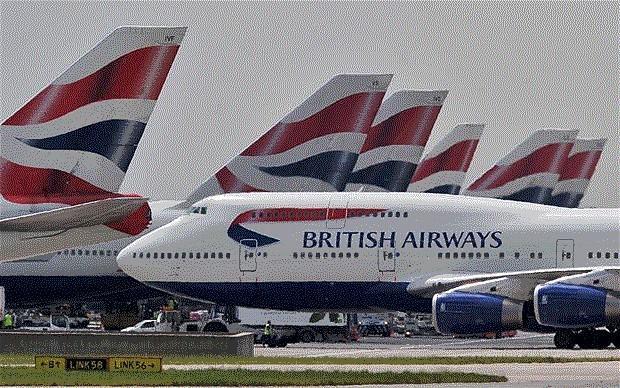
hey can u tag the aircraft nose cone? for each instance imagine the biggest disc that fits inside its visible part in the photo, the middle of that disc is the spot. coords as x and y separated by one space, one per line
131 259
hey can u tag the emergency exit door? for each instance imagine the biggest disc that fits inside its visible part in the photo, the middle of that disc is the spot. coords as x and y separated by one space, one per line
386 260
247 255
337 212
564 253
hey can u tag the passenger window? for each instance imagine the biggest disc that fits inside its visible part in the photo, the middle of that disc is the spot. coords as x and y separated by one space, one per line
176 255
405 215
382 214
470 255
228 255
486 255
294 255
501 255
79 252
478 255
148 255
94 253
348 255
101 253
389 214
203 210
356 254
73 252
615 255
439 255
590 255
213 255
517 254
455 255
67 252
108 253
309 255
598 255
169 255
191 255
221 255
198 255
340 255
532 255
325 255
607 255
155 255
333 255
140 255
540 256
303 255
463 255
182 255
397 214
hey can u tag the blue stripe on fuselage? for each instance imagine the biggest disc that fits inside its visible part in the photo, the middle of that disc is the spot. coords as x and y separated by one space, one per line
303 295
42 291
332 167
393 175
115 140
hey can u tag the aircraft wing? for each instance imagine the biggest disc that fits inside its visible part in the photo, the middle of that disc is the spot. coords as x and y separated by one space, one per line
83 215
427 287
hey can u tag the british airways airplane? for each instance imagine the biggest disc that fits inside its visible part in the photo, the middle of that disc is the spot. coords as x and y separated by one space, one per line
333 121
476 264
63 155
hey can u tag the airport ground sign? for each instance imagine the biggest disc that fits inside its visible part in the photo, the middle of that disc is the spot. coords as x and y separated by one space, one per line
109 364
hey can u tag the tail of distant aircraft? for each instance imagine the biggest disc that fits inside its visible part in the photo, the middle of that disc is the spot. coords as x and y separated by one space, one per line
313 148
73 142
530 171
443 169
396 140
577 172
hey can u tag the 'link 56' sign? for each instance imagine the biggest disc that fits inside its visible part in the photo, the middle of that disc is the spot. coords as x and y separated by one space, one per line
109 364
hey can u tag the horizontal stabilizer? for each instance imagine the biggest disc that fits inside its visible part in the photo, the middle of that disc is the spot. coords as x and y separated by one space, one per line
100 212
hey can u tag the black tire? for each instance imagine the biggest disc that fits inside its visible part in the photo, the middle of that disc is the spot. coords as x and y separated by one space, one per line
585 339
307 336
215 327
615 338
565 339
601 339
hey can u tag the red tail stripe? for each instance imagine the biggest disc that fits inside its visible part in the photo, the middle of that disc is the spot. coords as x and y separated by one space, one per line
130 76
300 214
581 165
410 127
456 158
231 184
135 223
539 161
352 113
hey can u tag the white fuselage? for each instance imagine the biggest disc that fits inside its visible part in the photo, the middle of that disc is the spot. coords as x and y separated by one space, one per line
300 251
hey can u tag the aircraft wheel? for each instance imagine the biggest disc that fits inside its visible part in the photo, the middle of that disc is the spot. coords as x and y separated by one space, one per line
616 339
585 339
601 339
564 339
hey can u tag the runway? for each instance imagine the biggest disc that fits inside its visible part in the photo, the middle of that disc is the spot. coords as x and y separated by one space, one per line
524 344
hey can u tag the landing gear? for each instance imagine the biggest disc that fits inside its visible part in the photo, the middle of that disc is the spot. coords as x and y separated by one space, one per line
565 339
586 339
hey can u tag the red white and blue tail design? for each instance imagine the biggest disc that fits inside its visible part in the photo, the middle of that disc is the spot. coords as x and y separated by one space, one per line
577 172
313 148
78 135
73 142
396 140
529 172
443 169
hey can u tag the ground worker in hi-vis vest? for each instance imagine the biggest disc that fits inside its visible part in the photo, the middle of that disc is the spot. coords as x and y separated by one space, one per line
7 321
267 333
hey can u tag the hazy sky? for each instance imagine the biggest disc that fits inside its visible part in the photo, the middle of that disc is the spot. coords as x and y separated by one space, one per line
242 66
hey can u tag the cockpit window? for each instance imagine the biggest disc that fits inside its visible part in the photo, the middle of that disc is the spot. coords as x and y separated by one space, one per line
199 210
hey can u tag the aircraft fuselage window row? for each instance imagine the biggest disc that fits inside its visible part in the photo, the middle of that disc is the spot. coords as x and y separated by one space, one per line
87 252
486 255
321 213
324 255
600 255
182 255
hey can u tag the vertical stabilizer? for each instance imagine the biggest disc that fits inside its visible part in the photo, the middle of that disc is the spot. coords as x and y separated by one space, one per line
396 140
530 172
313 148
443 169
577 172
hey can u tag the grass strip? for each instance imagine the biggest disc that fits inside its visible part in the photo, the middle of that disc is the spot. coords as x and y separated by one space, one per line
235 377
465 360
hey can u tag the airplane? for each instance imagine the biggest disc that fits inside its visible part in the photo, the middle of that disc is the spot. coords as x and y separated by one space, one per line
444 167
396 140
477 264
332 121
63 155
576 174
530 171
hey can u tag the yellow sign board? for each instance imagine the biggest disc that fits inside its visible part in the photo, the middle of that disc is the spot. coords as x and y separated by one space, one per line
134 364
50 363
110 364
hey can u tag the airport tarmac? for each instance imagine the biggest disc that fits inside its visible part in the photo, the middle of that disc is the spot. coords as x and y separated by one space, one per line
523 344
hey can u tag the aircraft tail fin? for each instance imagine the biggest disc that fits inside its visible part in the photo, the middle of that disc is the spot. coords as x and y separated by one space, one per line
443 169
78 135
577 172
530 171
313 148
396 140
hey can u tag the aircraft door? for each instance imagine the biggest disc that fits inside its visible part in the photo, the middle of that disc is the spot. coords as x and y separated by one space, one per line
386 259
337 212
247 255
564 253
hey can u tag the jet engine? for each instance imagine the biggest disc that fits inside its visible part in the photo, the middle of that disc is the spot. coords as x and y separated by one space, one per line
456 312
574 306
